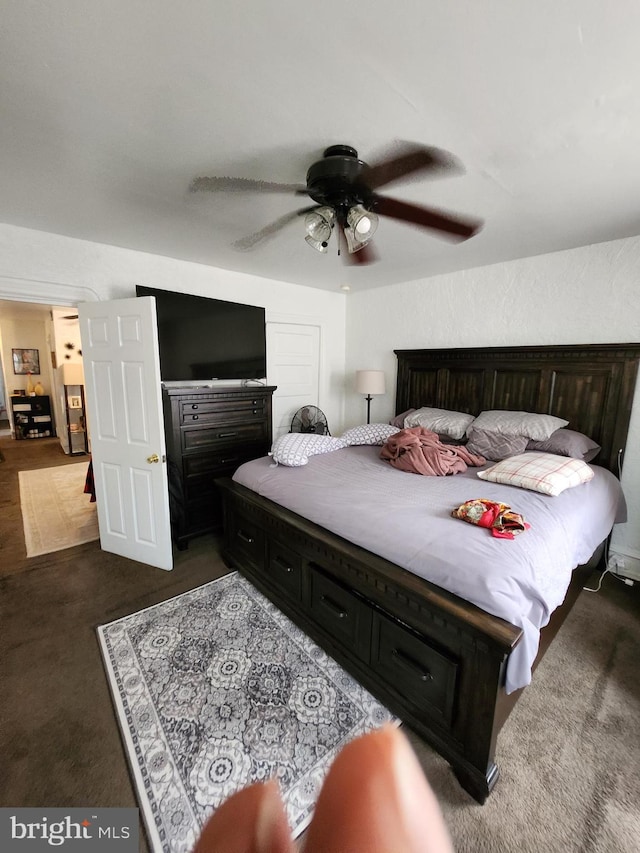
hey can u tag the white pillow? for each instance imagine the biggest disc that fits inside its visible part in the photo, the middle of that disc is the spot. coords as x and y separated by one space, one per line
536 427
453 424
295 448
369 434
540 472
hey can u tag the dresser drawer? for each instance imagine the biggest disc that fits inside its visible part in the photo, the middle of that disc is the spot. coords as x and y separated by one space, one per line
339 612
221 411
245 539
285 569
224 459
428 676
203 513
199 438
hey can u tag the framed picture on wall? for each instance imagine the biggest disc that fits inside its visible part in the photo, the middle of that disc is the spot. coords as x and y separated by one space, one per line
26 361
75 402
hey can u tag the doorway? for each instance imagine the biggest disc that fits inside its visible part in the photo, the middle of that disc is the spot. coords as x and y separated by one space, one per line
51 332
5 426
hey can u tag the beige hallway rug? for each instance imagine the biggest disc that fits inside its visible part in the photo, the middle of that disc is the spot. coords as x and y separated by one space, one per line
56 513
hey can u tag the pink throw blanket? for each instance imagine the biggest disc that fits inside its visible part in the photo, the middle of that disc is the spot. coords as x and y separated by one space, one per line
420 451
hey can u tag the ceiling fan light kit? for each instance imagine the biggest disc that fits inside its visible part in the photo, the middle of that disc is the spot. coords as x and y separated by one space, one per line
344 190
319 246
319 226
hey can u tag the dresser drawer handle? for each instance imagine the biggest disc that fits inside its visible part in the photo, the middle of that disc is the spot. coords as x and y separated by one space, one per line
229 461
194 417
254 403
335 608
245 537
282 565
411 665
194 406
227 434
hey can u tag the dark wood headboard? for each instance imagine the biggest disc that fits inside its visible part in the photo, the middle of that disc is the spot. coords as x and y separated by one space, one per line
591 385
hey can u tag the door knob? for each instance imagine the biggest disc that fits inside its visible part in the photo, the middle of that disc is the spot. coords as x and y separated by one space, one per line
153 458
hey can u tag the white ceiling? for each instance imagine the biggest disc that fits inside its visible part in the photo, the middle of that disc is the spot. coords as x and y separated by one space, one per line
110 109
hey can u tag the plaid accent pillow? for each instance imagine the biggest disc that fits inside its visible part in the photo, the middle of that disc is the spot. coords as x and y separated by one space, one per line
540 472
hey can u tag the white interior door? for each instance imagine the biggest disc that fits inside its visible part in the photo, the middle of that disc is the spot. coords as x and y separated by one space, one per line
293 359
124 404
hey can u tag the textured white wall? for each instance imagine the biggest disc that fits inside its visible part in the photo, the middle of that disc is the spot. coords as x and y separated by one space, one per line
29 259
585 295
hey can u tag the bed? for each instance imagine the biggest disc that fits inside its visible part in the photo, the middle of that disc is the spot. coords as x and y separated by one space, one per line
439 661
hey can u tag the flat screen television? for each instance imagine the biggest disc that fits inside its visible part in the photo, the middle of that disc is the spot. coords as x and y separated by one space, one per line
202 339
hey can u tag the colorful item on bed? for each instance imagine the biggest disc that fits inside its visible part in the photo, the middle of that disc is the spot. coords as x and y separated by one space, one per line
499 518
419 451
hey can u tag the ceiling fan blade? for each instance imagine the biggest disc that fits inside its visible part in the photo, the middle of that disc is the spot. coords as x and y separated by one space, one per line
456 227
366 255
410 159
245 244
239 185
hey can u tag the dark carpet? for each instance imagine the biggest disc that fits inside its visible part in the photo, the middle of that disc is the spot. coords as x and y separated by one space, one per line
569 753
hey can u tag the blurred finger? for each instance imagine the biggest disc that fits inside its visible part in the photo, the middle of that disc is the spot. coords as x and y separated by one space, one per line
251 821
376 799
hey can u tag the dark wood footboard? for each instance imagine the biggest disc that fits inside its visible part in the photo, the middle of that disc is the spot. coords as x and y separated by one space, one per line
435 660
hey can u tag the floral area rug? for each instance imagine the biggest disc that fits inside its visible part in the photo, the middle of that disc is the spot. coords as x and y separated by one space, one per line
215 689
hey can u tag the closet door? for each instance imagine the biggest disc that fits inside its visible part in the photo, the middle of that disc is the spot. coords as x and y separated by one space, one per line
293 364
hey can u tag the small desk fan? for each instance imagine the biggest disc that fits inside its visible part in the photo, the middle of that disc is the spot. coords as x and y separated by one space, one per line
310 419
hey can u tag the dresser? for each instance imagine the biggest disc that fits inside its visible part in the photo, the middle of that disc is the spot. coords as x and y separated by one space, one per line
209 433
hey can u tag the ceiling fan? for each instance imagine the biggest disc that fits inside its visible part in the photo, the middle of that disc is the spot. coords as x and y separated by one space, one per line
344 189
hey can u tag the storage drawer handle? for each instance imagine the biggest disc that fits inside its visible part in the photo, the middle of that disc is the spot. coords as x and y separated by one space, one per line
245 537
228 461
194 405
335 608
194 417
410 664
227 434
282 565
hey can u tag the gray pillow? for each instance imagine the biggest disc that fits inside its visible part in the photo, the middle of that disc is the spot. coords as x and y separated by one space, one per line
494 445
453 424
398 421
534 426
568 442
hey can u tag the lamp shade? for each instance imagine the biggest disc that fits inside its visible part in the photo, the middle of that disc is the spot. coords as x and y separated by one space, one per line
370 382
72 373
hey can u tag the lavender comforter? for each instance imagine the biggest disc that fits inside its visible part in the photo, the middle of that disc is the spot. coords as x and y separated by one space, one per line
407 520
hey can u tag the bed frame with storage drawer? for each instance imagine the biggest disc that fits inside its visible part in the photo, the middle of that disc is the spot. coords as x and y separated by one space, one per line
436 660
